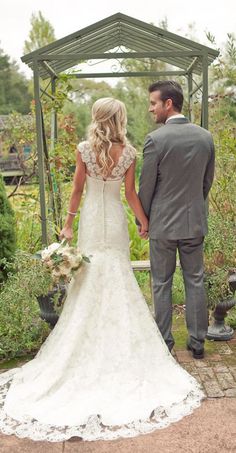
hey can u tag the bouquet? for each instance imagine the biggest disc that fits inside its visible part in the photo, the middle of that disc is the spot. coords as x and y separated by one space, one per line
62 260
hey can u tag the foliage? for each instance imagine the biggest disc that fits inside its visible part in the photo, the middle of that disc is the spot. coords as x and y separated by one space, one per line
61 164
27 214
223 193
41 33
178 290
139 248
82 94
27 217
223 78
231 318
20 326
220 257
20 130
13 87
217 286
220 250
7 230
143 279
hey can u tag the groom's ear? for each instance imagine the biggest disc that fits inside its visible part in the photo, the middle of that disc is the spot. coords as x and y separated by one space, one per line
168 104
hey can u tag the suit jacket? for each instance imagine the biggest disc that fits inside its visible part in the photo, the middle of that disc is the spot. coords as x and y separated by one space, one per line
177 174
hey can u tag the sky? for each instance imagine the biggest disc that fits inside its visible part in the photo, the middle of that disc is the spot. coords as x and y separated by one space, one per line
71 15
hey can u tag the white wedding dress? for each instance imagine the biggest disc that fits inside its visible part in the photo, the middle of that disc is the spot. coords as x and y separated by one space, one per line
104 371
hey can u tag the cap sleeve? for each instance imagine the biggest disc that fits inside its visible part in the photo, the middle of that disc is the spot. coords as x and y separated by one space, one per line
125 161
83 149
132 152
129 157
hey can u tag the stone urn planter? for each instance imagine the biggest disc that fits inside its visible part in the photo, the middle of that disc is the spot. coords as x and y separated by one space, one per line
47 304
218 330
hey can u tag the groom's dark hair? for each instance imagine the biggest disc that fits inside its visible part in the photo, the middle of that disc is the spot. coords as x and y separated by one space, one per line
169 90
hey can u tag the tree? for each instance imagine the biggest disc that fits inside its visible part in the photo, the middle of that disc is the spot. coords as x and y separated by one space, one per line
41 33
223 78
7 230
82 94
14 93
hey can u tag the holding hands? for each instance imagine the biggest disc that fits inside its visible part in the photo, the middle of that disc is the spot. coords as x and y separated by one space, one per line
143 229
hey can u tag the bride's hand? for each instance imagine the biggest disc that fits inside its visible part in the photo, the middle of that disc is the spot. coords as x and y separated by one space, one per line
66 233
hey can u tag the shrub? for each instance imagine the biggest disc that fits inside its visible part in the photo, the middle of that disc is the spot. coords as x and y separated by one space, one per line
21 329
220 250
7 230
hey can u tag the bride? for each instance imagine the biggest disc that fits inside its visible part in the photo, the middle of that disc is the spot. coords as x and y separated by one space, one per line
104 371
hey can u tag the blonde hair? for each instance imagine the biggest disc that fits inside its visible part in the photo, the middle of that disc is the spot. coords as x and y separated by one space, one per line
108 125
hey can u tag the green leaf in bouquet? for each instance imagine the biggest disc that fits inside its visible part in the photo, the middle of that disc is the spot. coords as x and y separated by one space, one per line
37 256
56 258
86 259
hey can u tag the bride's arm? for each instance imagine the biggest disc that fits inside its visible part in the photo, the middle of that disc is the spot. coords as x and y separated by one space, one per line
76 194
133 200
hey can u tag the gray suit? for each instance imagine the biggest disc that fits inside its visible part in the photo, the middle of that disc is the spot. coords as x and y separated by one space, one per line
177 174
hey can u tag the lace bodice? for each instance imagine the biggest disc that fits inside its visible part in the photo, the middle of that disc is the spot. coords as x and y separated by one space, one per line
89 158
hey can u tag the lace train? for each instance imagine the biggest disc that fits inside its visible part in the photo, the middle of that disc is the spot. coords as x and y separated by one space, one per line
94 428
111 344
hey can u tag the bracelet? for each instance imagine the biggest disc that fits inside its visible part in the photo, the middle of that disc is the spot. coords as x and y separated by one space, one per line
71 213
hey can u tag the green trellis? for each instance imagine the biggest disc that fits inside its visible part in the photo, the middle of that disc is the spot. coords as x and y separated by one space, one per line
131 38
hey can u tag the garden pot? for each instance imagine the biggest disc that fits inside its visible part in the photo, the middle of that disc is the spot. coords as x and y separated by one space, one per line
218 330
232 280
47 305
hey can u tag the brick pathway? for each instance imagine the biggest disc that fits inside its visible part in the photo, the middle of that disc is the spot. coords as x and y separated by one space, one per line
216 372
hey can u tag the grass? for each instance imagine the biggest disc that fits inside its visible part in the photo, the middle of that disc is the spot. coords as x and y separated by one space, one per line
16 362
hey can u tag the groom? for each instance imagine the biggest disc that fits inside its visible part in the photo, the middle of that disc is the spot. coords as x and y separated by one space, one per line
177 174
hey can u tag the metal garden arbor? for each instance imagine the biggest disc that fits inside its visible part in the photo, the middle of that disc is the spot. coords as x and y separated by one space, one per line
115 37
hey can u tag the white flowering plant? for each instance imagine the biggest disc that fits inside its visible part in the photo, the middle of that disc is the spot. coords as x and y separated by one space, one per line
62 261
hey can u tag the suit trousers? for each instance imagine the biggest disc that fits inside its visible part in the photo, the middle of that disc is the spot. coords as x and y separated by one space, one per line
163 264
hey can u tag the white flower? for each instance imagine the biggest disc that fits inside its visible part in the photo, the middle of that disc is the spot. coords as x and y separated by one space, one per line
62 260
47 252
72 257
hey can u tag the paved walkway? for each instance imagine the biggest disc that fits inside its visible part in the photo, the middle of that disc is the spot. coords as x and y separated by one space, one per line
211 428
216 372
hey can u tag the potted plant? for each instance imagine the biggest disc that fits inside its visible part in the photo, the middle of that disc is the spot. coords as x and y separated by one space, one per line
61 261
220 258
50 302
220 291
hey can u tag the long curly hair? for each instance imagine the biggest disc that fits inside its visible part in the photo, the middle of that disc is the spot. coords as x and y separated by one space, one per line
108 126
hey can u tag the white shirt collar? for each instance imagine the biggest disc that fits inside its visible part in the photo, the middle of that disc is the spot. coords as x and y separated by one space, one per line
179 115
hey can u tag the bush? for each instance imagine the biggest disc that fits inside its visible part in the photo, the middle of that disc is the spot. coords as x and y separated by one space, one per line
220 250
21 329
7 230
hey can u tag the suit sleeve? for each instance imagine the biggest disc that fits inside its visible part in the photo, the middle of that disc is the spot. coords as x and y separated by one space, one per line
209 173
148 177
